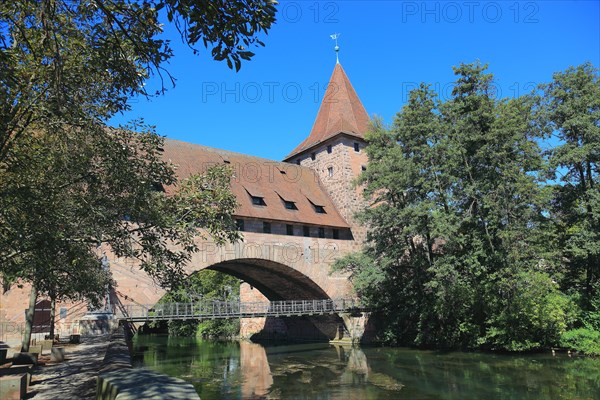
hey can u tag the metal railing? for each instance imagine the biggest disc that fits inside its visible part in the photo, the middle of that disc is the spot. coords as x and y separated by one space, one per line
232 309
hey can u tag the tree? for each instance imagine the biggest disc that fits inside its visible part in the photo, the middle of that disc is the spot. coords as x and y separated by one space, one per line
457 220
106 189
205 287
570 112
67 183
66 61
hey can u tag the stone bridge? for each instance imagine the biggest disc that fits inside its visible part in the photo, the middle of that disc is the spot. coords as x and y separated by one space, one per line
272 268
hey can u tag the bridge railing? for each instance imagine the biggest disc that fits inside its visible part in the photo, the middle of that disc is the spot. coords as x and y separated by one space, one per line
231 309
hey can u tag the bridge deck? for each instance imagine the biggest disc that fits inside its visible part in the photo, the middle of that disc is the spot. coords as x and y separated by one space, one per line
228 309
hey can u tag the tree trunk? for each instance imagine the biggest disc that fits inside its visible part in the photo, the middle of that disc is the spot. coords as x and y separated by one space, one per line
29 314
52 315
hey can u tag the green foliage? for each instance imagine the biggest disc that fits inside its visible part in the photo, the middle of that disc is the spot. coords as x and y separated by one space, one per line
68 184
205 286
469 243
583 340
65 194
570 110
527 312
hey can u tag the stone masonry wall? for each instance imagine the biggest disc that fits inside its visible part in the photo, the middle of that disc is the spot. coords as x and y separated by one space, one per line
347 165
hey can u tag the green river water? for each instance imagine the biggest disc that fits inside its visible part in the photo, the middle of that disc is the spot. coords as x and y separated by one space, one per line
244 370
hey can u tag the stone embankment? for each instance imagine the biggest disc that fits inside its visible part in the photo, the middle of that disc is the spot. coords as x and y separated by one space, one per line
117 380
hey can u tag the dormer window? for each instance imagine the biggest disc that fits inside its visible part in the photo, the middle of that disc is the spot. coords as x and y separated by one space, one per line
258 201
319 209
288 200
256 196
290 205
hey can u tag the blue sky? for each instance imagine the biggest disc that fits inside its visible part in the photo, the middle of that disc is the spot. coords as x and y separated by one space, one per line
387 48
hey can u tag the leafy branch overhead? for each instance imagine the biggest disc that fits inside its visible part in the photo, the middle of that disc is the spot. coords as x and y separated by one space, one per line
69 184
75 59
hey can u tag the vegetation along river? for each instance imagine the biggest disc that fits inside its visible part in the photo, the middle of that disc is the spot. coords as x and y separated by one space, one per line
244 370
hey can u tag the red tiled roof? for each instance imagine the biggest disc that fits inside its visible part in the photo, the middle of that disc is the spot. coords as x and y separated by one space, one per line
341 112
254 176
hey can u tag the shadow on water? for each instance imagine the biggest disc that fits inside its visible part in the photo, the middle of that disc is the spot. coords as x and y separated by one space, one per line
245 370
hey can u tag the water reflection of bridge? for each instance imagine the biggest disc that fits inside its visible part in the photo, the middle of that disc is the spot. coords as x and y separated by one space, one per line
231 309
274 371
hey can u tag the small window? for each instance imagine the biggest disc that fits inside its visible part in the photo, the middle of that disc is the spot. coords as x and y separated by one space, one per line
336 233
239 223
363 167
266 227
356 147
290 205
321 232
319 209
63 313
330 172
258 201
298 161
289 230
313 156
329 149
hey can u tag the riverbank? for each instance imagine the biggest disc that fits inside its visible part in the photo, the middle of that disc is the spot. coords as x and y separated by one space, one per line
74 378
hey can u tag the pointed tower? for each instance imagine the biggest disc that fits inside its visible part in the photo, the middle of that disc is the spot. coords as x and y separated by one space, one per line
335 146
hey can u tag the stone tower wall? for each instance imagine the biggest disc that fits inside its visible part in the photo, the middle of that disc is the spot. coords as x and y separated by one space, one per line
347 164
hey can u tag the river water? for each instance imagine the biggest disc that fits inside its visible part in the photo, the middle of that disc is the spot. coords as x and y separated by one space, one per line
244 370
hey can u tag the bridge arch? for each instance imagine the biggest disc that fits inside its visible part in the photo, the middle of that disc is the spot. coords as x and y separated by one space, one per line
280 267
276 281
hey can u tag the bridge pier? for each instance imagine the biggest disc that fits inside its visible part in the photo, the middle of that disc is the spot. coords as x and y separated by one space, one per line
320 328
357 324
343 327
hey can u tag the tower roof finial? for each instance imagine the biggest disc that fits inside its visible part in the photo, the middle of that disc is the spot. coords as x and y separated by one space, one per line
335 37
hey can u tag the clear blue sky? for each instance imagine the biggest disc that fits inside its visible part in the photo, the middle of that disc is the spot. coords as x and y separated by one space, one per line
387 47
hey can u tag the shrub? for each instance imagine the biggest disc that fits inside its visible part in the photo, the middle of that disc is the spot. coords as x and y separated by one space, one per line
584 340
527 312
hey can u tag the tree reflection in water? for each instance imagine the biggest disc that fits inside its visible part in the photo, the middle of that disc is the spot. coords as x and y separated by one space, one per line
244 370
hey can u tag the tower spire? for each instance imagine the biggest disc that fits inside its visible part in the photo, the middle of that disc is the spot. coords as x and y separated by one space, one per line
341 112
335 37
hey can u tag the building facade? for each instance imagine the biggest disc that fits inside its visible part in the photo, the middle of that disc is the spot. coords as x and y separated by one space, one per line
296 218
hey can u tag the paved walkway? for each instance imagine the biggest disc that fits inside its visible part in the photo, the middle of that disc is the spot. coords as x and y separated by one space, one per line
75 378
